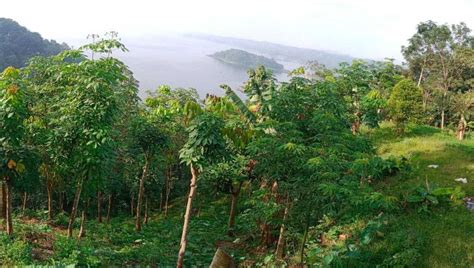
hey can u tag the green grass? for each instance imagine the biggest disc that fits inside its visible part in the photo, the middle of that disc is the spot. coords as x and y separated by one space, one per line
448 232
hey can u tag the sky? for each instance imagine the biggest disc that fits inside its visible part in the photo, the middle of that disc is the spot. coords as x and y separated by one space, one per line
372 29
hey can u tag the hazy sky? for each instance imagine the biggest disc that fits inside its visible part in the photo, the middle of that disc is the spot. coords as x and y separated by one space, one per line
362 28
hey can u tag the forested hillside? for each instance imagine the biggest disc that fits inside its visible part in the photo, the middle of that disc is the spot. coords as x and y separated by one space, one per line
17 45
280 52
369 164
246 60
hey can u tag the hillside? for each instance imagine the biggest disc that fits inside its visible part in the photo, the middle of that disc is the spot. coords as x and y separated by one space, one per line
18 44
443 237
246 60
280 52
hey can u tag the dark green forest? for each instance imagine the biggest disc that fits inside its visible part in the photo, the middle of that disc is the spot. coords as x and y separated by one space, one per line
353 166
18 45
244 59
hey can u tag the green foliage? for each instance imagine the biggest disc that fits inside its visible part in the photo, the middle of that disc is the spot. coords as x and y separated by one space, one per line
14 251
427 198
205 142
71 252
371 106
405 103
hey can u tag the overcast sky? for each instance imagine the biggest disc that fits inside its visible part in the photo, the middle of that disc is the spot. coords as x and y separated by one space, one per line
362 28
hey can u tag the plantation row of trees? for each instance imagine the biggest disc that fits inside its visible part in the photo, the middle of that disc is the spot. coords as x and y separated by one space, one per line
73 131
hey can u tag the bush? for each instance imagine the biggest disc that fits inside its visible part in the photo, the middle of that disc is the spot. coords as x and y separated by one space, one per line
73 252
405 104
14 252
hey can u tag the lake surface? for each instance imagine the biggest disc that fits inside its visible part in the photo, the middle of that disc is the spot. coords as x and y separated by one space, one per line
180 61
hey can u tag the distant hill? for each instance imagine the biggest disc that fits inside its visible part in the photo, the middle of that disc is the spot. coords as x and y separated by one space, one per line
280 52
246 60
18 44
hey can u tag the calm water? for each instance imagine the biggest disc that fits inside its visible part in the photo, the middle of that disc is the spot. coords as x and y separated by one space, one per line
183 62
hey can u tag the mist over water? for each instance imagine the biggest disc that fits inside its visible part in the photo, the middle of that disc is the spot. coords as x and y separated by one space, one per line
180 61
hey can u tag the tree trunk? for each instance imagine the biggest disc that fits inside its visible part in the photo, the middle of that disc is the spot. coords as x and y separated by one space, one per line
145 217
49 188
72 217
61 201
233 204
233 207
445 94
187 216
8 206
162 196
25 198
109 208
3 209
141 190
442 118
168 189
99 206
305 237
222 259
421 75
281 238
132 205
82 231
4 201
461 128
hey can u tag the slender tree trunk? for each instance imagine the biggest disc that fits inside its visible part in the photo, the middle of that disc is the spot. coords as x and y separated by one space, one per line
461 128
162 202
421 75
132 205
141 190
233 204
8 206
72 217
25 198
109 208
82 231
356 124
3 209
168 189
49 188
61 201
445 94
281 238
187 216
303 243
99 206
233 207
442 118
145 217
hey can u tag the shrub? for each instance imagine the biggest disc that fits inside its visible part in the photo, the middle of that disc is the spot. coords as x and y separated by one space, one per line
14 252
405 104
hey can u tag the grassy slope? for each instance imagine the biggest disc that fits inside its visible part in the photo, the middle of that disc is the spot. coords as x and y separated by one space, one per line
449 233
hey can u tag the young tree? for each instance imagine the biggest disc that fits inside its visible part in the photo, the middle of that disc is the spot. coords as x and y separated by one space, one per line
13 113
464 109
405 104
151 141
354 82
204 146
89 98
